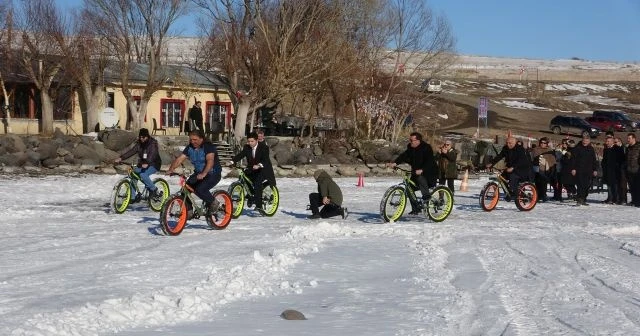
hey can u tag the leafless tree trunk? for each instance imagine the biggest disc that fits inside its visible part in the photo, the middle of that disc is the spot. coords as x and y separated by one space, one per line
42 26
136 31
6 54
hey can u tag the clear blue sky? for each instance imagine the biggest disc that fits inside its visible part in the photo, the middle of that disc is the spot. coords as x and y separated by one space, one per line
606 30
599 30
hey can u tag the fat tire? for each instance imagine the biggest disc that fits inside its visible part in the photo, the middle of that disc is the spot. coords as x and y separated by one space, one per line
173 217
527 196
236 191
440 205
270 200
163 186
389 198
121 196
489 196
220 219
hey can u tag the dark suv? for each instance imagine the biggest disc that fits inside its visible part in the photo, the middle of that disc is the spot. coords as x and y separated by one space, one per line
573 125
621 120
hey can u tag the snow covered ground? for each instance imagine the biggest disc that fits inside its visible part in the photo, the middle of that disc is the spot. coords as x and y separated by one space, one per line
72 267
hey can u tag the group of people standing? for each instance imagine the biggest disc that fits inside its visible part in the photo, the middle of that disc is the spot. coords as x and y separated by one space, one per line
574 166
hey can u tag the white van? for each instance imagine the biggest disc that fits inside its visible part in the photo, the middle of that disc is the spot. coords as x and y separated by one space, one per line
432 85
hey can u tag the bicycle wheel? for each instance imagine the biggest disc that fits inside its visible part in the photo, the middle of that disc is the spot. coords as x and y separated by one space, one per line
237 198
270 200
163 186
489 196
527 196
173 216
121 196
440 204
393 204
221 218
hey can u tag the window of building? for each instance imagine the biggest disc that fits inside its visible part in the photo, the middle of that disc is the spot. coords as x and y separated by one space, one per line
171 112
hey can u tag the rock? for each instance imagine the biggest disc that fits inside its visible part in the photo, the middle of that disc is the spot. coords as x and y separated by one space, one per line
86 154
291 314
346 171
116 139
47 150
33 157
12 143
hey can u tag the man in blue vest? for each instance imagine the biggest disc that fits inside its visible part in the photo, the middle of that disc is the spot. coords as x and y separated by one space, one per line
208 171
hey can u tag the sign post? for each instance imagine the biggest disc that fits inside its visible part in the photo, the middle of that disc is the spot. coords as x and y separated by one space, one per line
483 108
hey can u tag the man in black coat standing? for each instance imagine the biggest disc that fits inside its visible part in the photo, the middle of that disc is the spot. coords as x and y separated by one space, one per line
584 167
517 162
612 163
424 170
257 159
195 117
267 171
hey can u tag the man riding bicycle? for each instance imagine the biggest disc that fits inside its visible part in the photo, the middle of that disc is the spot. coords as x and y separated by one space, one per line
424 170
149 162
517 162
208 171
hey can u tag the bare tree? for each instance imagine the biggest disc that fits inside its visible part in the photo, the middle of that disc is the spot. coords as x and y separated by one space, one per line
42 27
421 42
86 58
270 49
6 54
136 32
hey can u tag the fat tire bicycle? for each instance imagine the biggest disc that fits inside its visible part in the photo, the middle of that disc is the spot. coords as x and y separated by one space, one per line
437 208
526 195
182 206
121 195
241 192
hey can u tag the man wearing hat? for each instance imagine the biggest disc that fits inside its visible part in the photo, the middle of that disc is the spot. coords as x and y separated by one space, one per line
149 162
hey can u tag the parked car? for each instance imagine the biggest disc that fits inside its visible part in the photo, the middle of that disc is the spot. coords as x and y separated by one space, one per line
573 125
608 124
616 117
432 85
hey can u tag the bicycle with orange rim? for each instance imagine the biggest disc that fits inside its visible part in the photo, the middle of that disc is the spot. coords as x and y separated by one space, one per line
525 198
182 206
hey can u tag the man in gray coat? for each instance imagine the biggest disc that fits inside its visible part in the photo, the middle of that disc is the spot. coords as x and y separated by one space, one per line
329 197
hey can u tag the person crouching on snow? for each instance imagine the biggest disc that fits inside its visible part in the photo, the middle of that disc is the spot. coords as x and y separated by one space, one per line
329 197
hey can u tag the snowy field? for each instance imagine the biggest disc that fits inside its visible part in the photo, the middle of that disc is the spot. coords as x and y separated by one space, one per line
72 267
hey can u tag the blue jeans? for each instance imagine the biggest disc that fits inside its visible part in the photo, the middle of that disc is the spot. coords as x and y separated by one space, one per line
145 176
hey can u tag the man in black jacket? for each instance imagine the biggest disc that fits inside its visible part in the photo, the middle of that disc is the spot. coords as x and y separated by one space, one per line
149 162
257 159
584 167
195 117
612 163
424 170
267 171
517 162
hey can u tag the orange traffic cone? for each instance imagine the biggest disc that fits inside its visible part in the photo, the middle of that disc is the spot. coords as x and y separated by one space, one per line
360 180
464 186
